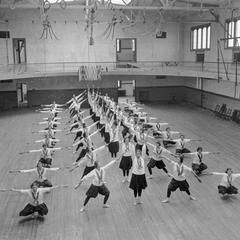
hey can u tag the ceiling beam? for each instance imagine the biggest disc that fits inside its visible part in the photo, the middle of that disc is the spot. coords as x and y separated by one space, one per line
102 7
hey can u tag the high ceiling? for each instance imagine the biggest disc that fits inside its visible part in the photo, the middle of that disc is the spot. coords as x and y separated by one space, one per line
189 5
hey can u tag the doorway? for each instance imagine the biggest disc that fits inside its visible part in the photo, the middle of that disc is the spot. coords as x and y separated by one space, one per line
19 50
22 94
126 90
126 51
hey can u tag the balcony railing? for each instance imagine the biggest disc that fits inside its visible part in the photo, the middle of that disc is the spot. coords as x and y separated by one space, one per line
225 71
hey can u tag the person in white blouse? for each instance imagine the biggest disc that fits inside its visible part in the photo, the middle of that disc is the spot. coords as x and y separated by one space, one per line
138 180
198 166
50 124
85 137
46 154
226 185
128 153
157 129
36 196
181 144
114 139
85 144
98 184
179 179
157 158
168 137
88 160
102 123
108 124
54 104
41 172
50 142
141 138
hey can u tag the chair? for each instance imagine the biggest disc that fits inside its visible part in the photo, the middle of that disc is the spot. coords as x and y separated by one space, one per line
217 109
228 115
222 111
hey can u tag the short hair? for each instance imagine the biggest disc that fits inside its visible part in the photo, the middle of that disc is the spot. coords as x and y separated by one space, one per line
199 148
228 170
138 149
181 157
34 184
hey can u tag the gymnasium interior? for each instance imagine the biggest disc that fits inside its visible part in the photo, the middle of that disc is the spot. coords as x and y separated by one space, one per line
178 59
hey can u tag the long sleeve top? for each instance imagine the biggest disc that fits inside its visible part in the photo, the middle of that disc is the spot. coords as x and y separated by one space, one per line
180 144
45 153
141 138
90 159
138 166
226 179
198 157
98 175
128 149
40 173
159 152
114 135
179 171
35 198
168 135
47 141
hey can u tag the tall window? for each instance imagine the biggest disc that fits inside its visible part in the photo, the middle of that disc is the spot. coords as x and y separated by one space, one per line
201 37
232 33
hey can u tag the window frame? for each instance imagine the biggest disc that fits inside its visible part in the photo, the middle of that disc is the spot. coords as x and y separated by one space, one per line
226 32
192 29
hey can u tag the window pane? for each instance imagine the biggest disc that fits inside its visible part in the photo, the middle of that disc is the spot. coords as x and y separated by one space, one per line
238 33
195 39
209 37
199 38
231 34
118 45
204 37
133 45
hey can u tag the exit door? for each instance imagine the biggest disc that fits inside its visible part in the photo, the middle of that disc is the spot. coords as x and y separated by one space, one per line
126 50
19 50
22 94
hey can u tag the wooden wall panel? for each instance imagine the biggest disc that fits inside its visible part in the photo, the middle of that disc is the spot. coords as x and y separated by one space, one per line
159 93
38 97
8 99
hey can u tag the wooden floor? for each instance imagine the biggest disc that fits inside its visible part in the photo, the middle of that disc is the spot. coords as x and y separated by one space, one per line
207 218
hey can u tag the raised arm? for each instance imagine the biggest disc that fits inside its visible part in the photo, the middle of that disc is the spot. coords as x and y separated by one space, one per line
99 148
92 134
38 141
34 151
53 169
150 144
23 171
89 127
54 149
77 130
109 164
218 173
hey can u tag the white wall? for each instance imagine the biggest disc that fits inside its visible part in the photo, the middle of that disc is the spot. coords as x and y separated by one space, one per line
73 45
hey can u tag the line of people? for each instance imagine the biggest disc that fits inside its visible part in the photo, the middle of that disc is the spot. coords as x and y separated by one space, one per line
41 185
131 138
